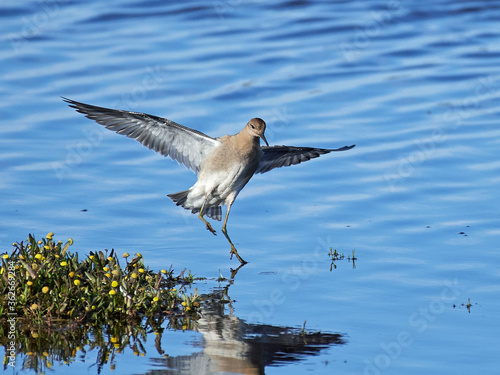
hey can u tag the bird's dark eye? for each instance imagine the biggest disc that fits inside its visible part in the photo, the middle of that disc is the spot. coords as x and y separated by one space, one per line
253 127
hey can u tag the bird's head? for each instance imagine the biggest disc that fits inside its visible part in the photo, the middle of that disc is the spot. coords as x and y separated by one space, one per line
257 127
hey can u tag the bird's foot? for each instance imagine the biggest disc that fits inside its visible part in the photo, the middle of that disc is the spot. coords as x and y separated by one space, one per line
212 230
235 252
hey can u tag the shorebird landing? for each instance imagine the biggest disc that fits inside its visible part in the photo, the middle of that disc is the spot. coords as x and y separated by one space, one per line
224 165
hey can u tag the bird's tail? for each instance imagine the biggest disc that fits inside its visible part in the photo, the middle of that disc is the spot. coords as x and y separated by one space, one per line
179 198
213 212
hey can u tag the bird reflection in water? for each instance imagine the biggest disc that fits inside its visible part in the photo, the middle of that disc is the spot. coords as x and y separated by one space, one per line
231 345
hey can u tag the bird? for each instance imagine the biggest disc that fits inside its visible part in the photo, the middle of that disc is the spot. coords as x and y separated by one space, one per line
224 164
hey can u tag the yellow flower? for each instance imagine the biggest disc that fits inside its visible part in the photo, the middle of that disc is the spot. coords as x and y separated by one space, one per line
50 234
38 256
5 256
93 307
183 303
46 247
110 259
141 270
21 256
30 283
126 255
71 274
76 282
59 242
64 264
114 284
34 306
114 339
105 268
45 354
117 346
34 266
45 289
136 353
70 241
174 290
156 299
112 292
134 275
163 271
40 242
139 255
91 257
108 275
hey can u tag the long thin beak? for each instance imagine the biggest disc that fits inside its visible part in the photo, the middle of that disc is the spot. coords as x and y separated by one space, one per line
264 139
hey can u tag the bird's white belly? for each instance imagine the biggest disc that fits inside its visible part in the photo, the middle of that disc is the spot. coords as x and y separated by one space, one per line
220 186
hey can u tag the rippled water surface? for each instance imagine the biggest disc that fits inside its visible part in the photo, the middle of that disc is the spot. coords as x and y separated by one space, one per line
415 85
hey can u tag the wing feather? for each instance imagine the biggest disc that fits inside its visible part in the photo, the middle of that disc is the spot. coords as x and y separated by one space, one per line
187 146
284 156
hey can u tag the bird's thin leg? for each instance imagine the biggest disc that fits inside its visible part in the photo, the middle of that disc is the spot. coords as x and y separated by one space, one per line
224 230
200 216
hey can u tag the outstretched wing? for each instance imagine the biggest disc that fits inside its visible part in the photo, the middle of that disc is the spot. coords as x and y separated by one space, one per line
185 145
284 156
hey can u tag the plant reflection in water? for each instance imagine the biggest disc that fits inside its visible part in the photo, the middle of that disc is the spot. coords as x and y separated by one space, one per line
228 343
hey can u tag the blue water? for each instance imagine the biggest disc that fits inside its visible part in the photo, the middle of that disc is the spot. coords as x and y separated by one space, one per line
415 85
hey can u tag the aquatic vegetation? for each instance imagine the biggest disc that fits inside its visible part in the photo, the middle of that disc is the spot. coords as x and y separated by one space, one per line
336 256
54 306
41 281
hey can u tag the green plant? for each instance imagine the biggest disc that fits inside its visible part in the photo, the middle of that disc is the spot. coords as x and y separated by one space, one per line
42 281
